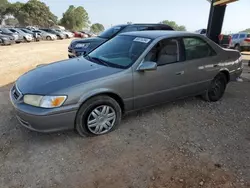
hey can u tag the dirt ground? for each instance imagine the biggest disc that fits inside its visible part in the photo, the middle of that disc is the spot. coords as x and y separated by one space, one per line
184 144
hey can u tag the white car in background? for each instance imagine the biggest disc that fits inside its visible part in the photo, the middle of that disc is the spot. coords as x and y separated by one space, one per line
67 33
45 35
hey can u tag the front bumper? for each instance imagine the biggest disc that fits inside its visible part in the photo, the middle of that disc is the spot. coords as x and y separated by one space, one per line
236 74
43 120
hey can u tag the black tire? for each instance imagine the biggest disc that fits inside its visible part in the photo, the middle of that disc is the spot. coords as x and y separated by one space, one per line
48 38
237 47
86 109
216 89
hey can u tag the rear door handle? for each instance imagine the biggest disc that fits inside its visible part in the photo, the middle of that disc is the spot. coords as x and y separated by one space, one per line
180 73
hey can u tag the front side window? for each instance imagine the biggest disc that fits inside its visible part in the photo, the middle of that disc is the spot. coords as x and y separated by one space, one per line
121 51
235 36
197 48
164 52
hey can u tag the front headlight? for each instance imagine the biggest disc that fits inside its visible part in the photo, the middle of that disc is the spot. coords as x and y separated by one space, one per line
44 101
82 45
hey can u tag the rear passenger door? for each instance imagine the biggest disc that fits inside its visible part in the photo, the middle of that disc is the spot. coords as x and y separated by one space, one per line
201 64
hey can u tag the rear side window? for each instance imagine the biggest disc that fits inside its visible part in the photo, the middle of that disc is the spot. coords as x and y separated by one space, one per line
129 29
242 36
196 48
146 28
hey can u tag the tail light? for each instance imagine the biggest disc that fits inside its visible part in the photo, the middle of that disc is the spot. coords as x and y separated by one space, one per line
247 40
220 37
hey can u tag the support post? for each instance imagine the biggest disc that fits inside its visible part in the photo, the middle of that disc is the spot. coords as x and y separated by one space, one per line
215 21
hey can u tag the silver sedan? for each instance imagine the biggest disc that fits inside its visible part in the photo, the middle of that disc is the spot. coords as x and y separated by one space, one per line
45 35
129 72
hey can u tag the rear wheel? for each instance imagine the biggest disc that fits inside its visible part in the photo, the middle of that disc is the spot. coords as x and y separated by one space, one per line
98 116
216 89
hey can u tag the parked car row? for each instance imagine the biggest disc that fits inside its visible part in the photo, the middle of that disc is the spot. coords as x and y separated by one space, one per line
10 36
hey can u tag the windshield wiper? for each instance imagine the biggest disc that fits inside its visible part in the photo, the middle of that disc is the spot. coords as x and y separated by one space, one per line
100 61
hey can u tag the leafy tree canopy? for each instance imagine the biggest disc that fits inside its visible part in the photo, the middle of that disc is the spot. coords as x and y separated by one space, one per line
246 30
34 12
174 25
97 28
75 18
4 4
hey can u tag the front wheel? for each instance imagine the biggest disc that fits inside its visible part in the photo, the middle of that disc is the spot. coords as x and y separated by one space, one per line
98 116
48 38
216 89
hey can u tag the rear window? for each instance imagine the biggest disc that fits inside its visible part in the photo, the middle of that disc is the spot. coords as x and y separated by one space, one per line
248 35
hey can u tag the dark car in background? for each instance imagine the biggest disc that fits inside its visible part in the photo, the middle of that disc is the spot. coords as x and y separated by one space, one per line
84 46
59 35
6 40
6 31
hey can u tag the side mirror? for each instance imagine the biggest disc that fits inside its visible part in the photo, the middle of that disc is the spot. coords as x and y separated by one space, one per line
147 66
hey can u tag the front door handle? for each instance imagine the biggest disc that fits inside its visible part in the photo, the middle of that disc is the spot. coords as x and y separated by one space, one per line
180 73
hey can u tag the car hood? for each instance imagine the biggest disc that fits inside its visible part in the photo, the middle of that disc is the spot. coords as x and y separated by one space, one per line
87 40
57 76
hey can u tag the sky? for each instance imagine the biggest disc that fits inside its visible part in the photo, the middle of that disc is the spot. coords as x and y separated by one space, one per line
192 13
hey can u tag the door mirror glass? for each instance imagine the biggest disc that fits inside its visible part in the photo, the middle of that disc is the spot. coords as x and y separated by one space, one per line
147 66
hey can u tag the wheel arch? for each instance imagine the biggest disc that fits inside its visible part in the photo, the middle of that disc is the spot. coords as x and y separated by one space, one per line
111 94
226 73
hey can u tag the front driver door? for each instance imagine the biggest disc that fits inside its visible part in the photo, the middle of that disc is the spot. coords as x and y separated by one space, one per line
167 82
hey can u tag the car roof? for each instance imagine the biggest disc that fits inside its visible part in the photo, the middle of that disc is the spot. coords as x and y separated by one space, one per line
157 34
144 24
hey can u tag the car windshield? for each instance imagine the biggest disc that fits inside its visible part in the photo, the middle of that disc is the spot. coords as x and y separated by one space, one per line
6 30
120 52
27 31
20 31
109 33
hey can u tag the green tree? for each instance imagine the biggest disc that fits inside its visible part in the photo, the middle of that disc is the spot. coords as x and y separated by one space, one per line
4 4
34 12
11 21
246 30
97 28
174 25
75 18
